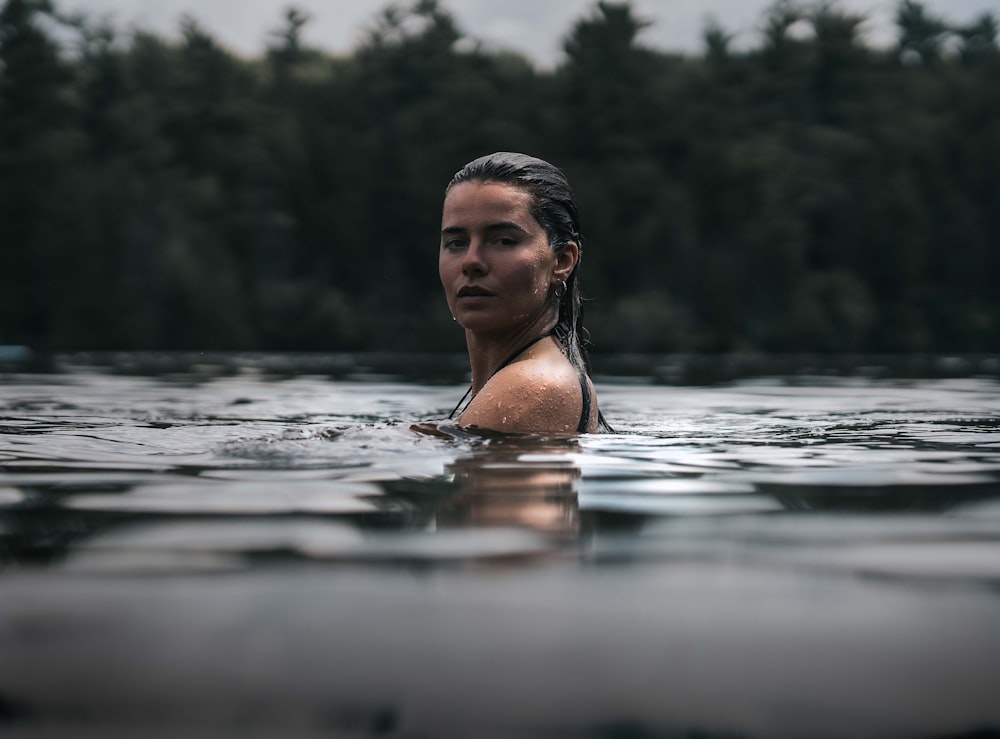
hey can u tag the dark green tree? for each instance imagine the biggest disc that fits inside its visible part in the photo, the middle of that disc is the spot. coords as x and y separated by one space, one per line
922 34
38 142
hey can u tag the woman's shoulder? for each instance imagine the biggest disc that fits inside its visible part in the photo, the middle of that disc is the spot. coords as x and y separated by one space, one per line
540 394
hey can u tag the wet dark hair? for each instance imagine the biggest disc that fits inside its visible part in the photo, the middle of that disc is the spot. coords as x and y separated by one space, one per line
553 206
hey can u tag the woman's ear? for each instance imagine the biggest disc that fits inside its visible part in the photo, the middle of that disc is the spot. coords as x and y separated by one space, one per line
566 260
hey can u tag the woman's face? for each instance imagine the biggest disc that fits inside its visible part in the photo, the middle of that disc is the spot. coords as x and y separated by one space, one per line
495 262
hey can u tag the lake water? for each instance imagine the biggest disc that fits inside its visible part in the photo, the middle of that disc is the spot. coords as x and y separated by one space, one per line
253 553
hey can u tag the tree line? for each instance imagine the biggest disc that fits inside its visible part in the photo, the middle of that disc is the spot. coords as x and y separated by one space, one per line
810 193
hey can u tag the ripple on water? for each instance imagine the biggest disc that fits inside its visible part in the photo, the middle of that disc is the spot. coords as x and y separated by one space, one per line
908 546
200 546
236 498
10 496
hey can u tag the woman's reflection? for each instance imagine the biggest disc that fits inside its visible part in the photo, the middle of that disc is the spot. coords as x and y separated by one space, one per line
515 483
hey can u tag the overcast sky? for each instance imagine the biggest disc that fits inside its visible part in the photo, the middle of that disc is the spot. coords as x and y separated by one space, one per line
533 27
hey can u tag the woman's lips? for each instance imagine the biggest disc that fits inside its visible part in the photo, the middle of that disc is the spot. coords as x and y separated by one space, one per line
472 295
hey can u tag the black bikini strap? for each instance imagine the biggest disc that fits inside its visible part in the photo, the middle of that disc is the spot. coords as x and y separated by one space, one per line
581 427
459 403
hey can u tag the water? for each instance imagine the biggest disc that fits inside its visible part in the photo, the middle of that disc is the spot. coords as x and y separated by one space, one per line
195 554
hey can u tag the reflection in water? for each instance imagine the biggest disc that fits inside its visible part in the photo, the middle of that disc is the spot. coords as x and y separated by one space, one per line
530 484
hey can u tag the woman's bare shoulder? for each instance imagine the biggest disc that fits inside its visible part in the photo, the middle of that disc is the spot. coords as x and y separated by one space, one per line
531 396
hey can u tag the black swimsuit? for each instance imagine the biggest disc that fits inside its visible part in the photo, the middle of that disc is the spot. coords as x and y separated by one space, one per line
581 428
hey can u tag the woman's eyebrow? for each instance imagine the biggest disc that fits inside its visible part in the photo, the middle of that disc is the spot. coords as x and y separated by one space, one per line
501 226
506 226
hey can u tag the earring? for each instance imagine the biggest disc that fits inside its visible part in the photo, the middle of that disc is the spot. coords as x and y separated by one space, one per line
561 289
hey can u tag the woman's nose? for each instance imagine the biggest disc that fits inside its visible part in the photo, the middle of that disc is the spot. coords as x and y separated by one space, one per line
473 262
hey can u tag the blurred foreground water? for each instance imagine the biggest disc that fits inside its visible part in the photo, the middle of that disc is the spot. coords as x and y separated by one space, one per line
260 552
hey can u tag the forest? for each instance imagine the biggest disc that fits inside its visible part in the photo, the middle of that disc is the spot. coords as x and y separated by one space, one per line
810 192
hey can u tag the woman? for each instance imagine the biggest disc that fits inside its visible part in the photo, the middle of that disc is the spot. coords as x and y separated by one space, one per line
510 252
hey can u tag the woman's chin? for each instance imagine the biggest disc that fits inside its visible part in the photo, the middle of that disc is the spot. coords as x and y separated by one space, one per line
475 320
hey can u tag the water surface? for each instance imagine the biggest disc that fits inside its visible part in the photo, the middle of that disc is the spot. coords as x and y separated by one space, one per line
195 554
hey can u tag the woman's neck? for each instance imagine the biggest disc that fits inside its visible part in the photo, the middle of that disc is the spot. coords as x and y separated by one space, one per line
489 352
